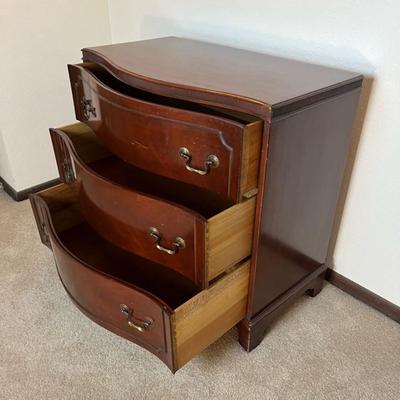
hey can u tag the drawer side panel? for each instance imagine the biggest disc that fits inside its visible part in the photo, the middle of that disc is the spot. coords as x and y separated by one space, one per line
230 237
207 316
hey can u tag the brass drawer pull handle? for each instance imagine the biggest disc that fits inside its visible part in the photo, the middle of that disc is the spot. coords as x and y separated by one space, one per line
88 108
140 325
178 244
211 162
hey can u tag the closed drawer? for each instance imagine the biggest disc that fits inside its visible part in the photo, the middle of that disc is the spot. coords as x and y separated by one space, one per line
211 149
189 230
136 299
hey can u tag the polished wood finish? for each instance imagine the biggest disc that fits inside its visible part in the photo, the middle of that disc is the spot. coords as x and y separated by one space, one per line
100 297
306 160
252 331
183 322
281 130
124 216
224 76
88 149
150 135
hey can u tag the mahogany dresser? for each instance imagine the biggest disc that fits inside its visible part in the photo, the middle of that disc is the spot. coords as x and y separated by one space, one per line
198 190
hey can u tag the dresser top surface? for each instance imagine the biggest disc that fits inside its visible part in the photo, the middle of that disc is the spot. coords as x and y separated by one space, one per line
212 68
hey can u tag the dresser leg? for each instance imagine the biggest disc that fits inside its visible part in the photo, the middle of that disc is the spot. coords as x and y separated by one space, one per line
253 331
250 336
317 285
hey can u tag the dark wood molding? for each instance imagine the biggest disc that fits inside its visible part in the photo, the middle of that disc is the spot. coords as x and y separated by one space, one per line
305 101
137 64
23 194
252 331
364 295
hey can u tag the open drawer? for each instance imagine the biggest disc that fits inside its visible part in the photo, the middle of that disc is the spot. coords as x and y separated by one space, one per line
137 299
217 150
183 227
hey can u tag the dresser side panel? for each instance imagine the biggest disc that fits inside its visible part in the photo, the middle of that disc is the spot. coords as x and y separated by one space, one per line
306 160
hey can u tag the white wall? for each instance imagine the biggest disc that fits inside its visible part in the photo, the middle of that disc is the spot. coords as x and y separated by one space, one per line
37 40
361 35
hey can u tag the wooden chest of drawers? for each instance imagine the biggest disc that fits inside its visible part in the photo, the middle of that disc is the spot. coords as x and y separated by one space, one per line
198 190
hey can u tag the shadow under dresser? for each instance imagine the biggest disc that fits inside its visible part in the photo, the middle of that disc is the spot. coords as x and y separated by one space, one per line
199 189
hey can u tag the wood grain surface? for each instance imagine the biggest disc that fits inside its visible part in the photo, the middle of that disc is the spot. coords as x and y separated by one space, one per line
212 73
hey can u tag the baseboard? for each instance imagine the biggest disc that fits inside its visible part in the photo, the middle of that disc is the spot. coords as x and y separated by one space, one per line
364 295
23 194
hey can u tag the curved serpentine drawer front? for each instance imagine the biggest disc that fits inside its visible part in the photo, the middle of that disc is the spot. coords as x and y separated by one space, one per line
122 293
147 225
219 153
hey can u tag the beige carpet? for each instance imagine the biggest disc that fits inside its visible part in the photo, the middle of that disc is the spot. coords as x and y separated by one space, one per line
329 347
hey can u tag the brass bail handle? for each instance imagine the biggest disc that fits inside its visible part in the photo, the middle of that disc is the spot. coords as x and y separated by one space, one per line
139 325
177 245
211 161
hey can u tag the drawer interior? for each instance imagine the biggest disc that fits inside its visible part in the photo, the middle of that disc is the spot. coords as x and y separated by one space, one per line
229 227
113 83
169 137
100 160
83 242
193 319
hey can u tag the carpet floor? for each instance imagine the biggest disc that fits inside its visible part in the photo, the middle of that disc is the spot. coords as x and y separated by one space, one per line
327 347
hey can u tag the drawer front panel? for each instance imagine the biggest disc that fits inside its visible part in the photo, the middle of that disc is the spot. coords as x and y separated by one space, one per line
195 148
124 309
122 293
133 220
